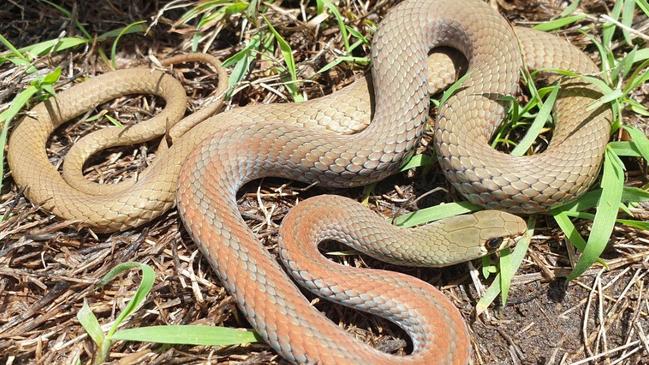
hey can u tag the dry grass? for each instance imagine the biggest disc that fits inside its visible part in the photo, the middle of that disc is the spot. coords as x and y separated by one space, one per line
48 267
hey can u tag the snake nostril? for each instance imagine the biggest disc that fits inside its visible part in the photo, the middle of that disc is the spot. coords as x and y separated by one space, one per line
494 243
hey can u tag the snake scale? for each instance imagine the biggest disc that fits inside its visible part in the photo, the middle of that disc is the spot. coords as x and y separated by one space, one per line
210 160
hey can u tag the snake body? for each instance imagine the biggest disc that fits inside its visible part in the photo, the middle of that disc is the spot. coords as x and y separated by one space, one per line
253 142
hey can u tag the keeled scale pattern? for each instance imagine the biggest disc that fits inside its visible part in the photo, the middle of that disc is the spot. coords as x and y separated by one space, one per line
215 171
246 147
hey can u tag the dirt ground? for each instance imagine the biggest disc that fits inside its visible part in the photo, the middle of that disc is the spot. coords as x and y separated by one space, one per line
48 267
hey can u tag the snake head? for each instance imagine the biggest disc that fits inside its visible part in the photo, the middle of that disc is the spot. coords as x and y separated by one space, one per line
498 230
471 236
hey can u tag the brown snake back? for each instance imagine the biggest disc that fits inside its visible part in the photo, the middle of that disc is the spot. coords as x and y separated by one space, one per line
257 142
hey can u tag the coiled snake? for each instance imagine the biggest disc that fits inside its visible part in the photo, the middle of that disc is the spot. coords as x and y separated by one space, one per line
204 174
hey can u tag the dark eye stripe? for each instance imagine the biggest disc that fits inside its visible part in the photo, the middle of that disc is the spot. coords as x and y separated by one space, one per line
494 243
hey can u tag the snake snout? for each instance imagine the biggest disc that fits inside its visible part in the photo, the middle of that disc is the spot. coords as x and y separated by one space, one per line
499 230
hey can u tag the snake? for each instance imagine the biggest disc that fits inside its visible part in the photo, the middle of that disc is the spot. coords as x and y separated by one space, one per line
354 136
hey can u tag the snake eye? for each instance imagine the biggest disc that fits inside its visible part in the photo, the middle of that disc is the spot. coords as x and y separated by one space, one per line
494 243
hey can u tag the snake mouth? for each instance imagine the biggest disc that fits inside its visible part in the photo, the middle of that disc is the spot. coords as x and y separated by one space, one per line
497 244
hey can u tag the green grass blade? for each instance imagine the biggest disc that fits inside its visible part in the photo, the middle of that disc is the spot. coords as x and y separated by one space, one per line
18 62
570 8
358 35
598 83
53 46
341 59
489 296
624 65
639 140
368 190
253 10
644 6
207 20
510 261
13 49
188 335
418 161
643 225
569 229
591 198
559 23
238 73
628 10
608 29
114 121
607 98
52 77
606 57
537 125
135 27
148 278
90 324
68 15
452 90
437 212
641 55
341 23
287 53
320 4
607 209
639 76
201 8
634 195
637 108
242 61
488 267
624 149
17 104
251 47
61 9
